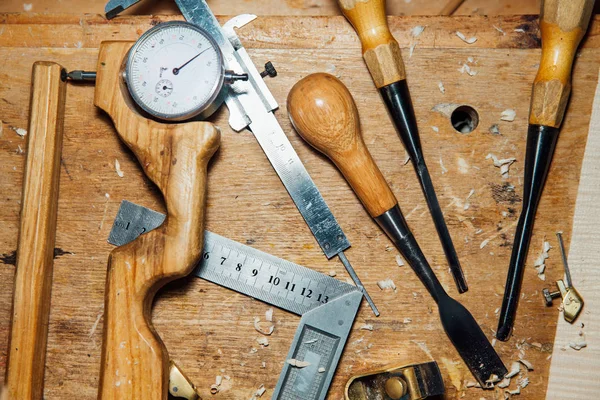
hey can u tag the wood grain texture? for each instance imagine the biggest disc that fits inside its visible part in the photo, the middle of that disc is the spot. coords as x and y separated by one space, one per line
323 112
563 24
279 7
574 374
37 234
208 329
380 50
135 362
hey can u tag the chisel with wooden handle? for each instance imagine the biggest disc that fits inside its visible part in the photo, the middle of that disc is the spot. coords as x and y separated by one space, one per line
135 363
323 112
563 24
37 233
382 56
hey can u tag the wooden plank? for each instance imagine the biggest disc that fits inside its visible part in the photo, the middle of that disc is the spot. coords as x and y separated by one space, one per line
209 330
278 7
574 374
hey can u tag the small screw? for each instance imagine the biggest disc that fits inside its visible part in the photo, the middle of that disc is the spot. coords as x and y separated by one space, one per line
269 70
550 296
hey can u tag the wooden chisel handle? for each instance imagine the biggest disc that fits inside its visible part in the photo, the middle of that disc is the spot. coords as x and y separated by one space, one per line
325 115
37 232
563 24
135 363
380 50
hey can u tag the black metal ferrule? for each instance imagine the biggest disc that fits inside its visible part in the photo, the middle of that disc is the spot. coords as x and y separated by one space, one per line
541 142
394 225
397 99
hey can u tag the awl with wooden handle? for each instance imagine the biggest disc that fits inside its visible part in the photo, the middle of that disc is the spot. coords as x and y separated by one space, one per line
37 233
324 114
382 56
563 24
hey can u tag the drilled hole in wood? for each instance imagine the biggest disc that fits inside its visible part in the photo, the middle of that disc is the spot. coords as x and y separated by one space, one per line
464 119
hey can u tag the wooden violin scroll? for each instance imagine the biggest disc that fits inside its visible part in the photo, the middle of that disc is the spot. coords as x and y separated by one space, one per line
323 112
135 363
37 232
380 50
563 24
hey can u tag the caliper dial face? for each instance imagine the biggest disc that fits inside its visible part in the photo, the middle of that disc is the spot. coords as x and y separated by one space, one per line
175 71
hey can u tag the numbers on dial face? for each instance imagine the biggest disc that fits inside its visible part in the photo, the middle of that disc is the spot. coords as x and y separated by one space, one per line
174 71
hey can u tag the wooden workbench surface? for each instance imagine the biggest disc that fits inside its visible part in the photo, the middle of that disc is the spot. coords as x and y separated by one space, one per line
209 330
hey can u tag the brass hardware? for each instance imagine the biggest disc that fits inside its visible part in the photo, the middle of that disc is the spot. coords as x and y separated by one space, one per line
180 386
409 382
572 301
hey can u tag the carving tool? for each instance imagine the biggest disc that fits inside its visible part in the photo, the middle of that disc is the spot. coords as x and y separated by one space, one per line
37 233
325 115
408 382
327 306
135 362
572 301
251 105
382 56
563 24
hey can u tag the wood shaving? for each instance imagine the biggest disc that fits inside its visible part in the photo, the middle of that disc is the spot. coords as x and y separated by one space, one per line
504 383
466 68
399 260
406 160
578 345
412 49
523 383
27 6
462 37
435 129
297 363
467 203
367 327
444 170
386 284
263 341
504 164
441 87
471 384
494 129
259 392
253 350
19 131
508 115
311 341
540 261
499 30
118 168
512 392
407 320
321 370
519 30
527 364
332 273
515 368
263 365
260 329
417 30
269 315
484 243
215 387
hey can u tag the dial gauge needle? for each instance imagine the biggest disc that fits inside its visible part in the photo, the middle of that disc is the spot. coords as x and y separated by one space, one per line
176 70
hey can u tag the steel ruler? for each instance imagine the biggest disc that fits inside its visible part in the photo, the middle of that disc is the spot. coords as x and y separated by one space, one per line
327 306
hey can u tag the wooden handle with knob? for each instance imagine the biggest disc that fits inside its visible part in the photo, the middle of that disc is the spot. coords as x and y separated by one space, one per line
563 24
380 50
37 232
135 363
323 112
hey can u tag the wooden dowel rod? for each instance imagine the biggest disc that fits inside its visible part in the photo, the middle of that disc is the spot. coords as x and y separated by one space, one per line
37 232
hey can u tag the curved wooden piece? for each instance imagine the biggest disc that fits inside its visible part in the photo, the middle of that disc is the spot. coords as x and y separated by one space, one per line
135 364
323 112
37 232
380 50
563 24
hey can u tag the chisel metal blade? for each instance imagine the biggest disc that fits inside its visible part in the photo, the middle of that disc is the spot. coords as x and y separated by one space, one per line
115 7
